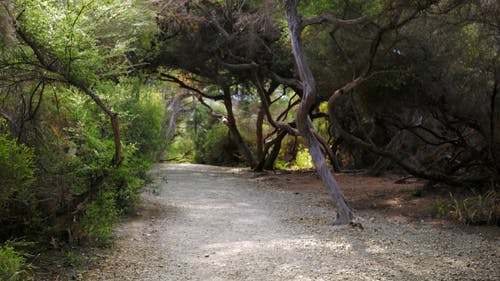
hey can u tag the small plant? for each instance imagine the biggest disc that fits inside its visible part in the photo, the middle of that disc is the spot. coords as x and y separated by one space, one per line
441 210
100 216
13 264
303 160
477 209
216 148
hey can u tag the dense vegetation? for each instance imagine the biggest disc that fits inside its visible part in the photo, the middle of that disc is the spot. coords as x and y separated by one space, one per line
93 92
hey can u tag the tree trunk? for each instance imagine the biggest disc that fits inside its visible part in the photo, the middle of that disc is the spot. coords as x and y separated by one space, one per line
304 123
329 152
260 134
233 129
172 122
269 162
113 116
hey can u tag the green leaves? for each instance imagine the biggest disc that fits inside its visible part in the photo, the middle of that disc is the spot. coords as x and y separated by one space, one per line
339 8
16 173
86 40
12 264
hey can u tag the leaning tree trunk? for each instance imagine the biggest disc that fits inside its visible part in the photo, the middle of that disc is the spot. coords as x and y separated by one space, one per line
235 133
259 132
304 123
275 150
169 130
113 117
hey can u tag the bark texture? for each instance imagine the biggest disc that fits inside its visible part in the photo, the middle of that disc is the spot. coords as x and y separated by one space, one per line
304 123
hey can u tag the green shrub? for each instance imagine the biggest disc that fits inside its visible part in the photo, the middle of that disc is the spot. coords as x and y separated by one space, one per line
303 160
181 150
79 184
13 265
478 209
127 180
441 210
100 216
215 147
141 110
16 178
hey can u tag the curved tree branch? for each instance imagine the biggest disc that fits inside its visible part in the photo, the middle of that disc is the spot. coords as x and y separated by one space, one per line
304 123
329 18
53 65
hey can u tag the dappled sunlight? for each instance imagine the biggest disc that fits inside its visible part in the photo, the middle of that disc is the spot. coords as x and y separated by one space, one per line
376 249
223 228
198 168
240 231
228 250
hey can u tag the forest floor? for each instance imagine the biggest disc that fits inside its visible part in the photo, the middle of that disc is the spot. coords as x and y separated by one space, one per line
212 223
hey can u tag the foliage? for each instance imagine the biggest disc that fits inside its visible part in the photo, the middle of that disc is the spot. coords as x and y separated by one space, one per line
181 150
303 160
67 63
141 108
100 215
215 147
477 209
16 178
79 156
13 264
441 210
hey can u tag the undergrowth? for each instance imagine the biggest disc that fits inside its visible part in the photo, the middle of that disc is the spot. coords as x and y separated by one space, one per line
13 261
477 209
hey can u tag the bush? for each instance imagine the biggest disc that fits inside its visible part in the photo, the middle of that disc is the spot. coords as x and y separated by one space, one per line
141 110
13 265
16 178
216 148
75 192
303 160
180 150
100 216
478 209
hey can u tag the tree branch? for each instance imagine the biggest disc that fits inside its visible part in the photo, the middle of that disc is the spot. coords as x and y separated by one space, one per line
329 18
53 65
265 105
182 84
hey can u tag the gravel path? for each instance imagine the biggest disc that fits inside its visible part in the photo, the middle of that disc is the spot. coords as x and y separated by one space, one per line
215 224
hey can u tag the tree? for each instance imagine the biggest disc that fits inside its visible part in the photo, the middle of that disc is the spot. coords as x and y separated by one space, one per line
304 123
223 44
62 60
60 44
430 133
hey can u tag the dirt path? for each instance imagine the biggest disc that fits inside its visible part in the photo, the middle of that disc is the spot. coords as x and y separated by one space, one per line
214 224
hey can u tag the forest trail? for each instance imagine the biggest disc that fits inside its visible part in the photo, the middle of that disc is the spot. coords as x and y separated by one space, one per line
212 223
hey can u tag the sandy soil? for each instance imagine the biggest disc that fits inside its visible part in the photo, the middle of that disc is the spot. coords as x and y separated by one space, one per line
212 223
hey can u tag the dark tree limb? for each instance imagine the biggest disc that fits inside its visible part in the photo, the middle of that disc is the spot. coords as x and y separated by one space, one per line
52 65
276 147
329 18
182 84
494 143
408 163
233 128
265 103
259 133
